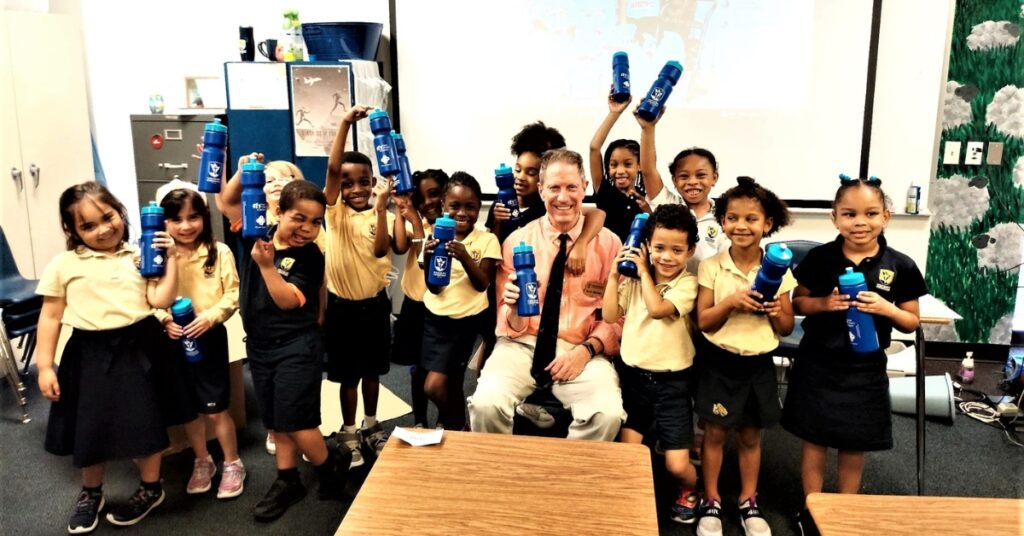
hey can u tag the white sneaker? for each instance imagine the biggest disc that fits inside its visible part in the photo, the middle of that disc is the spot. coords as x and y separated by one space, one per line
754 523
535 414
270 444
351 441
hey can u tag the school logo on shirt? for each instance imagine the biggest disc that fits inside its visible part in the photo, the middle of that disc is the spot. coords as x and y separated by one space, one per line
885 279
719 409
208 271
711 235
373 230
285 267
476 255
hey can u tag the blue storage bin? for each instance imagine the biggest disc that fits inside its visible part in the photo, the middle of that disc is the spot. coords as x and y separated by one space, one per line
332 41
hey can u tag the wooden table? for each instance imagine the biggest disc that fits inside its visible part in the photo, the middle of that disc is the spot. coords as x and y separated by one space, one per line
853 515
476 483
932 311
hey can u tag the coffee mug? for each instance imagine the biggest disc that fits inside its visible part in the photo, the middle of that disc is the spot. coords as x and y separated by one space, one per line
268 48
246 46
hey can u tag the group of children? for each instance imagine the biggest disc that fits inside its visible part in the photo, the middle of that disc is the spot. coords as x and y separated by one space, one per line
695 337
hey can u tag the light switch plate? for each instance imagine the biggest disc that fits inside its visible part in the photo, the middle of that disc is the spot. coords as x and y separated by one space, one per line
951 156
975 150
995 154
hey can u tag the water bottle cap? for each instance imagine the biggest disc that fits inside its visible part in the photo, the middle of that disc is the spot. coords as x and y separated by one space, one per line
620 56
641 217
395 135
181 306
152 208
672 70
252 166
779 252
523 247
444 221
215 126
502 169
377 114
851 278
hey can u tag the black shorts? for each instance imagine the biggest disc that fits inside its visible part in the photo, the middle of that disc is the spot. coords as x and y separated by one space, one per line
358 338
448 342
287 374
737 391
407 346
658 401
208 380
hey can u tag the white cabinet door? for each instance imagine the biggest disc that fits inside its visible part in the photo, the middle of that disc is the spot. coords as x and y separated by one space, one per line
47 63
13 210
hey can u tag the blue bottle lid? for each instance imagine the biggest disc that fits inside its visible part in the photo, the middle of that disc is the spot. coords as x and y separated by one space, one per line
523 247
181 306
215 126
779 253
642 217
379 114
395 135
620 57
851 278
443 221
152 209
502 169
672 70
253 166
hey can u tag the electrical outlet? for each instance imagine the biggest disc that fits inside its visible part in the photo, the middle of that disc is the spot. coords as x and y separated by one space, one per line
975 149
952 155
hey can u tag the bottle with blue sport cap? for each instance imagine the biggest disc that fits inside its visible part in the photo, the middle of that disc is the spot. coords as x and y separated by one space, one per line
620 77
440 270
183 315
505 180
652 104
383 145
526 278
776 260
403 182
634 239
153 261
861 325
214 160
254 201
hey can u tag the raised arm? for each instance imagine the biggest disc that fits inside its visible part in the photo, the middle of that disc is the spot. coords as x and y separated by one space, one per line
593 222
649 157
160 293
229 198
332 185
615 109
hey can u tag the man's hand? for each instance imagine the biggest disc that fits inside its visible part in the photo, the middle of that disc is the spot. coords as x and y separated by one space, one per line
510 294
568 366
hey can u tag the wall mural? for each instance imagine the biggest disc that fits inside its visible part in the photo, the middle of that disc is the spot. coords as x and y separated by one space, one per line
977 236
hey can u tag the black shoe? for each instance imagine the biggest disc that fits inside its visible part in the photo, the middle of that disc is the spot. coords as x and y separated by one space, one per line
87 513
279 498
140 504
805 524
332 487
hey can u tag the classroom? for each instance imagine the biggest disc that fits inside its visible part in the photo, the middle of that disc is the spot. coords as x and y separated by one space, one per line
399 267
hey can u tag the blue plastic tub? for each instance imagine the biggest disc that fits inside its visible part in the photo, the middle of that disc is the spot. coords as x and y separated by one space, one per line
332 41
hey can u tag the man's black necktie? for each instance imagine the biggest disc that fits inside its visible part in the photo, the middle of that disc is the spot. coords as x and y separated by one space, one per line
547 335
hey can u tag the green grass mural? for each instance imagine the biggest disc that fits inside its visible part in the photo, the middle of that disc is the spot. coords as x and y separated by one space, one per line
972 261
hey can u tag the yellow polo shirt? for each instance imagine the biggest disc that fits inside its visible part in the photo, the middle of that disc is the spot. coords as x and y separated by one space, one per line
742 333
459 299
213 291
413 284
353 272
658 344
103 291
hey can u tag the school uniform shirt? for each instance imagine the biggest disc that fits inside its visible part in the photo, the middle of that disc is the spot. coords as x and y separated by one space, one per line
301 267
742 333
353 271
578 313
891 274
618 208
658 344
103 290
213 290
711 238
459 299
413 284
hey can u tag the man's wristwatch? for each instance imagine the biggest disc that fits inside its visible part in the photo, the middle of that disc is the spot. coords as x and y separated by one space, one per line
590 348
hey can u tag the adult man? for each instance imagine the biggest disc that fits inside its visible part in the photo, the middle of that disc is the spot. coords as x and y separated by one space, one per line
567 343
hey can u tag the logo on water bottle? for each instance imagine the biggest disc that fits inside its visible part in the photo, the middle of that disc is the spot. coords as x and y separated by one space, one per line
190 345
515 213
657 94
531 291
261 221
158 260
440 264
214 170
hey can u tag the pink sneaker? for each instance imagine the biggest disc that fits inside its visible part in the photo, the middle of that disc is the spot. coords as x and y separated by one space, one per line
232 482
203 470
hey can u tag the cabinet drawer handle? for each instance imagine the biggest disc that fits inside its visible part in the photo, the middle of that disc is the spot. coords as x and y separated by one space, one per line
167 165
16 177
34 171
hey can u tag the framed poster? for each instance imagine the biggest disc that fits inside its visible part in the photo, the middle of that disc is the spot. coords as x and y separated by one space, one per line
321 95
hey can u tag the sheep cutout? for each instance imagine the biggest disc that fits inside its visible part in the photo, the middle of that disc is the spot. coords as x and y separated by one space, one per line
1006 111
957 202
1001 247
956 105
1000 332
1018 173
940 332
992 34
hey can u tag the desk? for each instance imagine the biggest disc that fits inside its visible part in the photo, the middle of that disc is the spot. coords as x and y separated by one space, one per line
476 483
866 515
932 311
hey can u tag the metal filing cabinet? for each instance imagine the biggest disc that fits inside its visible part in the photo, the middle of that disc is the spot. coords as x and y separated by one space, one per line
163 147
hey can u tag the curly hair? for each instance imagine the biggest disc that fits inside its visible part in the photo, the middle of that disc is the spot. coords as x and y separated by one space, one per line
536 138
747 187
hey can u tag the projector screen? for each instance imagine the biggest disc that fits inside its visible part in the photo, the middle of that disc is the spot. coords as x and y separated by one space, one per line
775 89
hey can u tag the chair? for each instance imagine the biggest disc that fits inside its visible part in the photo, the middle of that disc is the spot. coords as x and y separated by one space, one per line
20 314
788 345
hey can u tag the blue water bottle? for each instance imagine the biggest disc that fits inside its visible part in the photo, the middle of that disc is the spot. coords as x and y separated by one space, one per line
183 315
506 189
526 278
441 264
777 259
383 146
254 201
650 107
403 182
620 77
153 261
215 157
863 336
633 240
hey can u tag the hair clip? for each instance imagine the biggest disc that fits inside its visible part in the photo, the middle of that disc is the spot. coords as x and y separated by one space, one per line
873 180
846 178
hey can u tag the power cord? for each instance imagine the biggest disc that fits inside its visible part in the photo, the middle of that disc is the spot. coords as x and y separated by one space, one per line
983 410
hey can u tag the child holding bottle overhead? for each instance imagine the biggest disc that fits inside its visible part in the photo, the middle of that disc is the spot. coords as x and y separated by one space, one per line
694 172
418 211
839 398
114 392
206 276
357 326
454 312
657 352
618 184
737 390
